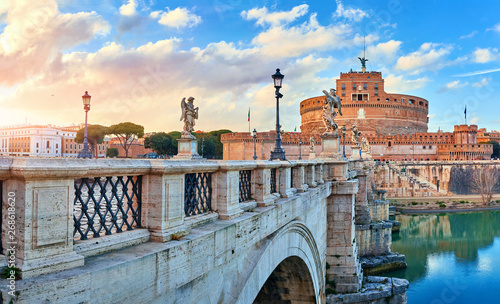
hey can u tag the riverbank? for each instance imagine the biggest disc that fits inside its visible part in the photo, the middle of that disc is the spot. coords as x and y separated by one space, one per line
460 203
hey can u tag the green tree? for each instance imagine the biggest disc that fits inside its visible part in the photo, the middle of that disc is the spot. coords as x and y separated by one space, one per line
219 148
161 143
95 136
112 152
126 132
496 148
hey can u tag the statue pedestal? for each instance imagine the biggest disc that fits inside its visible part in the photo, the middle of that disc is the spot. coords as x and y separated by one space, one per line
355 153
312 155
187 149
330 147
366 155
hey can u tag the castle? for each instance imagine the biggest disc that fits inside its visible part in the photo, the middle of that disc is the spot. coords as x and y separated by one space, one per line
394 124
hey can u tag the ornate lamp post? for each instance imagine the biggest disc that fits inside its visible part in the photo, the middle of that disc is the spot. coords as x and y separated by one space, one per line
85 153
254 144
300 148
278 152
343 141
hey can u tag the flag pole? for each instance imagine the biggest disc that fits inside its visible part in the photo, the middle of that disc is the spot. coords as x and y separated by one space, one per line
465 113
249 120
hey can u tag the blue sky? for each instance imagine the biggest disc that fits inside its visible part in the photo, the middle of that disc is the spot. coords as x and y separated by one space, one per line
139 58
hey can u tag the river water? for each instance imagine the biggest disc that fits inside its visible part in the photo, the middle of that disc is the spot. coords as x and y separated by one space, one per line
451 257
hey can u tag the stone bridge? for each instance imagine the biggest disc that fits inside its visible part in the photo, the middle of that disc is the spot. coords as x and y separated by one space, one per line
427 178
163 231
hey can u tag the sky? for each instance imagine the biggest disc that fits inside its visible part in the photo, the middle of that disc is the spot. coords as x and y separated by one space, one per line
139 58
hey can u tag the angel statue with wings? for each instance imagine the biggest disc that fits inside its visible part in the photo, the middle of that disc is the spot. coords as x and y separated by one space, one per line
189 114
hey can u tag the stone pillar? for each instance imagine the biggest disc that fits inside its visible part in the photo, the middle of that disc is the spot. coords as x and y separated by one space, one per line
335 170
330 148
362 209
311 174
187 149
262 178
40 195
344 271
355 152
164 193
163 207
299 176
227 188
319 171
285 188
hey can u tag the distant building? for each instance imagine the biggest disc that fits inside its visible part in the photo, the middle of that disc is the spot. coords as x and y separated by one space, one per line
394 124
43 141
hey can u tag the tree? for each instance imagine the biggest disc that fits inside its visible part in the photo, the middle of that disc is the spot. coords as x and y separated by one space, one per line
126 132
496 148
112 152
95 136
161 143
485 180
219 148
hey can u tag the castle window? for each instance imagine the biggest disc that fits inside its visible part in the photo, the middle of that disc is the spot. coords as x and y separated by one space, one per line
343 86
423 147
376 93
387 99
354 86
376 86
395 99
365 86
343 93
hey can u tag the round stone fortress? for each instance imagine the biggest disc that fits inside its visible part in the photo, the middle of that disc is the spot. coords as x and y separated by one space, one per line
366 104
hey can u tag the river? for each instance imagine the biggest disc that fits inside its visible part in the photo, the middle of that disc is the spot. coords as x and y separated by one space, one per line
451 257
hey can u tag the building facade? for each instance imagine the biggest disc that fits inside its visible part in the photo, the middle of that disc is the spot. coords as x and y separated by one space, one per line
394 124
43 141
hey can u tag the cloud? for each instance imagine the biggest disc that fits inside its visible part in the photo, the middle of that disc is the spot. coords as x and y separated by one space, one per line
384 52
306 38
454 85
483 82
478 73
177 18
474 120
430 56
400 84
128 9
495 28
485 55
469 35
264 17
349 13
36 33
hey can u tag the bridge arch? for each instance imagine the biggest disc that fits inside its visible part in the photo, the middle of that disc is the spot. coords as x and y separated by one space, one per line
290 255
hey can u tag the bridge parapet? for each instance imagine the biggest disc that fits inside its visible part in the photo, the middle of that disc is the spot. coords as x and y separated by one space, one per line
70 209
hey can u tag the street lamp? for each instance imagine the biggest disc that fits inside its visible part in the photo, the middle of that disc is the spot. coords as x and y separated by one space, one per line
278 152
254 144
300 148
85 153
343 141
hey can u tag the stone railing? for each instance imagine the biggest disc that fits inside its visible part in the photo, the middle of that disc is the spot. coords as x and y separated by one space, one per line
69 209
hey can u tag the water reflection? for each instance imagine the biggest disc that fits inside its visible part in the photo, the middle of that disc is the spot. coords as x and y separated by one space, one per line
463 248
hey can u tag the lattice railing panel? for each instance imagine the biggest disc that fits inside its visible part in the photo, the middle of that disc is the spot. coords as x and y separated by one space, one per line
106 205
273 180
245 185
197 193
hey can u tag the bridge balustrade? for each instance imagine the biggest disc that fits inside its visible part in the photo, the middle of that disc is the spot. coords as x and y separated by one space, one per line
70 209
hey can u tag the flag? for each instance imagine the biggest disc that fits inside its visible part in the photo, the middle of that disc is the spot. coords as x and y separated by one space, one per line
295 129
248 114
465 112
